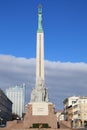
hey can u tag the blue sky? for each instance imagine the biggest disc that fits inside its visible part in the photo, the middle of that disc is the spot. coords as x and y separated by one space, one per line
65 30
64 24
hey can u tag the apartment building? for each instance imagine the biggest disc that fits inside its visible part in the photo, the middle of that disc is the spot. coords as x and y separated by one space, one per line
76 111
68 103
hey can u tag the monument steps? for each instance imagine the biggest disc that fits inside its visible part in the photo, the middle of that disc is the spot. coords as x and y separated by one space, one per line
34 129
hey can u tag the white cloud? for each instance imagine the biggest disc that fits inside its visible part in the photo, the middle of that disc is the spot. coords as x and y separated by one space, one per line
62 79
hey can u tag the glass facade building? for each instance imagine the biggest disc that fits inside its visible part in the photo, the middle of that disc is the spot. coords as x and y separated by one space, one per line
17 96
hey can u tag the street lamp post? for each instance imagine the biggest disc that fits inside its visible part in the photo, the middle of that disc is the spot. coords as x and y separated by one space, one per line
1 119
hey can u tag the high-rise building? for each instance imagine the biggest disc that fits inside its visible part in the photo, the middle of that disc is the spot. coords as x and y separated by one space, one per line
17 96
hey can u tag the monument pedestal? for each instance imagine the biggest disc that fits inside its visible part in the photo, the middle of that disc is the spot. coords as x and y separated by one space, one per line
40 114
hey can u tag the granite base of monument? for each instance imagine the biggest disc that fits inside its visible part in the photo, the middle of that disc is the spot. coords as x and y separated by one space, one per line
40 114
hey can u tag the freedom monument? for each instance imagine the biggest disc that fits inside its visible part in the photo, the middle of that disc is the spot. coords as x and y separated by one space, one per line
40 112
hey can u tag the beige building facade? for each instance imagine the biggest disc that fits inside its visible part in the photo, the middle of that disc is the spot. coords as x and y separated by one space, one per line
60 115
76 111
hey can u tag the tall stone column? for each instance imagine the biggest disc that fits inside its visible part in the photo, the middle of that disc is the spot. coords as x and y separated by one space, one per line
39 93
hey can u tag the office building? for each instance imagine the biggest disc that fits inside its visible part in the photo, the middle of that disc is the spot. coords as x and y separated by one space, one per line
17 96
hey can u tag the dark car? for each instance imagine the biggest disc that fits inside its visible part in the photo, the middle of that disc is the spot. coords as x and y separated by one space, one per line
2 125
